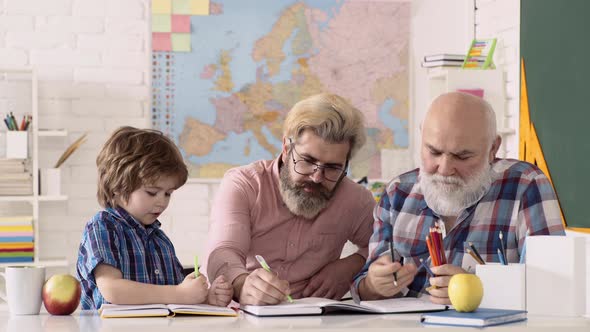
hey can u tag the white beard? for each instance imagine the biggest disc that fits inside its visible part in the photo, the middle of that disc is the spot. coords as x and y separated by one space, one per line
449 195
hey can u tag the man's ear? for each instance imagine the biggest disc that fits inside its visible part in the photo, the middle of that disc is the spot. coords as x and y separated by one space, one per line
495 148
285 149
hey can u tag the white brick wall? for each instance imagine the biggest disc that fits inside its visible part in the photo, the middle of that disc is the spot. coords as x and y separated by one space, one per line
92 60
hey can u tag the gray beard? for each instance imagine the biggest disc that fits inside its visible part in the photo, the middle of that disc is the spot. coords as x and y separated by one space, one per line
449 195
297 200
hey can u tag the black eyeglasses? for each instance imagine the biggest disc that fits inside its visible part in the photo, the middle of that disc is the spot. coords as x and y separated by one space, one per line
306 167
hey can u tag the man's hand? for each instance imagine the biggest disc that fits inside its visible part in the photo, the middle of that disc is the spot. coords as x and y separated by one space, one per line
378 284
220 293
333 280
262 287
440 294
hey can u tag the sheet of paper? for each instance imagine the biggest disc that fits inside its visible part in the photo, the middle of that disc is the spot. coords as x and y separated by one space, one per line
199 7
181 42
182 7
181 23
161 6
161 23
161 41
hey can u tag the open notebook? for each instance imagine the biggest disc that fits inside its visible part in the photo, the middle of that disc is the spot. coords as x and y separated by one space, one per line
162 310
318 306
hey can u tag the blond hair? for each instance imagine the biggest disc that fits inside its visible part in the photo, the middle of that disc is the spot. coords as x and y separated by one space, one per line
134 157
330 117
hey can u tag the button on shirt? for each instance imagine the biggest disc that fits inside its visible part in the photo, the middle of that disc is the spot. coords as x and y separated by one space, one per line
142 253
250 218
520 199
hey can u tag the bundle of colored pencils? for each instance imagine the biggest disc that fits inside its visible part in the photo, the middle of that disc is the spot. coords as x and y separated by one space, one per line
434 241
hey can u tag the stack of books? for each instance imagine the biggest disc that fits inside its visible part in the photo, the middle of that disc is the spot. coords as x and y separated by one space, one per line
16 239
15 179
443 60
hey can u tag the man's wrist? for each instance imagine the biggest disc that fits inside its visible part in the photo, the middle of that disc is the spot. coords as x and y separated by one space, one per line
358 259
238 284
366 292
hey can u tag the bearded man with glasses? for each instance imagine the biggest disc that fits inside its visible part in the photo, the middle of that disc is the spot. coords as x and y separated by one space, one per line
296 211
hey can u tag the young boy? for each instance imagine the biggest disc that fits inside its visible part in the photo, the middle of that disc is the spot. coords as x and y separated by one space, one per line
124 256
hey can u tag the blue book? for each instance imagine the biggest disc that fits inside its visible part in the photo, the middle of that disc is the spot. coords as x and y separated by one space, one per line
480 317
7 239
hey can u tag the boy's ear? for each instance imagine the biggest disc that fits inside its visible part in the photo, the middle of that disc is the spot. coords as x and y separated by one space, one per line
117 199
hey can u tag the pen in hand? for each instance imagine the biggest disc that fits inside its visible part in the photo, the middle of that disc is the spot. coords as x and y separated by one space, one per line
197 274
393 260
265 266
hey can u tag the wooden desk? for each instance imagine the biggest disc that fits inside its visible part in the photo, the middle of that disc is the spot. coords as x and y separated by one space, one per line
90 321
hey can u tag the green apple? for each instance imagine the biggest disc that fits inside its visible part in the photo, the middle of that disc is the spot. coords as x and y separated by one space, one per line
465 292
61 294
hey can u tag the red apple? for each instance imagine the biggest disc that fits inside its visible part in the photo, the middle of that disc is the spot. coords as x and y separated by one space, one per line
61 294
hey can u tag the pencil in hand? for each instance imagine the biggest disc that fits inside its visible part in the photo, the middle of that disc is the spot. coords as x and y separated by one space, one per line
265 266
197 274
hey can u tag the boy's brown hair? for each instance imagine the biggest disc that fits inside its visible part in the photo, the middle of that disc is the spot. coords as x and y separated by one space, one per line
134 157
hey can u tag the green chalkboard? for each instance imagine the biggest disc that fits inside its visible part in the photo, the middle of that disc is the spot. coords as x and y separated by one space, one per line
555 46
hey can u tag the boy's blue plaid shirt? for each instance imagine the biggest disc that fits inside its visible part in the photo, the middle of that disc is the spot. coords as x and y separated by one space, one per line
142 253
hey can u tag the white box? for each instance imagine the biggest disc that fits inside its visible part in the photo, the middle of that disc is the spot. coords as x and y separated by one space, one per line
50 181
17 143
556 275
504 286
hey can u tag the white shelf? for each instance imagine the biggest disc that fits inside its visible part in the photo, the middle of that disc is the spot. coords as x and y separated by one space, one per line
53 198
16 198
31 198
53 133
506 131
45 263
36 131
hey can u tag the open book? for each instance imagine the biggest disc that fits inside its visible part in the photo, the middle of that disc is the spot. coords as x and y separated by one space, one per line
162 310
318 306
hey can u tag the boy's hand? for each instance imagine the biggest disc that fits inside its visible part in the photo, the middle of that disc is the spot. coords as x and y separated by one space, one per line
220 293
191 290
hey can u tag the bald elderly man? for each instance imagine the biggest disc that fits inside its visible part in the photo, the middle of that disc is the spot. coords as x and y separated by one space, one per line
470 193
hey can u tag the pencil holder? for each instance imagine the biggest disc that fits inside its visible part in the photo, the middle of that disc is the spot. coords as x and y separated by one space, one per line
556 275
504 286
50 179
17 143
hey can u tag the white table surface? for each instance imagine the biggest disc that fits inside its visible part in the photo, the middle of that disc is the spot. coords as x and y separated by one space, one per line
90 321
